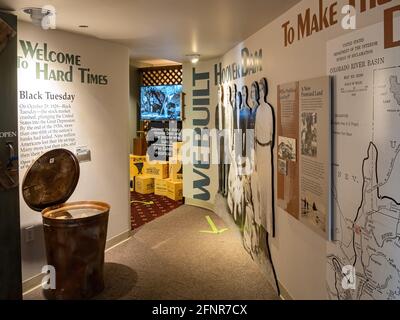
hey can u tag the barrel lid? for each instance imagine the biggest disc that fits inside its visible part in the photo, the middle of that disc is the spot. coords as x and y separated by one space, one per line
51 179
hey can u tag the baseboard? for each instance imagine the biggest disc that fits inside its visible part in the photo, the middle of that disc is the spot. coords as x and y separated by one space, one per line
200 204
285 295
34 282
118 239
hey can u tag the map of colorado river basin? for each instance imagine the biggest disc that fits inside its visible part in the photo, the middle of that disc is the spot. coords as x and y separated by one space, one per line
366 190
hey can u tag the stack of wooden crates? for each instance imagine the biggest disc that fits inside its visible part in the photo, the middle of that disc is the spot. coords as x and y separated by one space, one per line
158 177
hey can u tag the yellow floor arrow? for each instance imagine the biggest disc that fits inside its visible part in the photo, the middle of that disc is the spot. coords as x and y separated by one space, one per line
214 229
146 203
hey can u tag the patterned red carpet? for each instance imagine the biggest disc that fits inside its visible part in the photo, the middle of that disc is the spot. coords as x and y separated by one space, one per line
146 208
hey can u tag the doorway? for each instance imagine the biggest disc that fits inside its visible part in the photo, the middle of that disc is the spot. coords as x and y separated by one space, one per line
156 169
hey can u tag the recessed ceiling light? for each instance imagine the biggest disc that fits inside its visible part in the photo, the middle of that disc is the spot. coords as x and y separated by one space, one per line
194 58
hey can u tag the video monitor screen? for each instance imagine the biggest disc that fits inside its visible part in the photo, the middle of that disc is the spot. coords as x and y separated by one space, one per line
161 103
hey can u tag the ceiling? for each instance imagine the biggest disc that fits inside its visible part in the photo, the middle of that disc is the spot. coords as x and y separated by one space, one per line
163 29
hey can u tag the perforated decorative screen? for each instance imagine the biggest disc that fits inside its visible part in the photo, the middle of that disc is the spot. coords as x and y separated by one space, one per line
161 76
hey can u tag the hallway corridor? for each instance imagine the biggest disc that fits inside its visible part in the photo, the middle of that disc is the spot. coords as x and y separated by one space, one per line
170 259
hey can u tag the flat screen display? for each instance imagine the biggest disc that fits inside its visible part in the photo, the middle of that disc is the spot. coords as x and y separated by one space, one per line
161 103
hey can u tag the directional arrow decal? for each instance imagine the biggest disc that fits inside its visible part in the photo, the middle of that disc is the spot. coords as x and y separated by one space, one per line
146 203
214 229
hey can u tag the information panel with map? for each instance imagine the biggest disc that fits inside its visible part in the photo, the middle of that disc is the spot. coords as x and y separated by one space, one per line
364 259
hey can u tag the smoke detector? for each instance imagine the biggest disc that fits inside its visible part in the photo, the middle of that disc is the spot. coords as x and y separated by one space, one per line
38 14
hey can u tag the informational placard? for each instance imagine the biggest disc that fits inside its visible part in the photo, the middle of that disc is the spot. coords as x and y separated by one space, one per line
304 152
83 154
161 138
44 125
49 98
366 167
288 135
315 155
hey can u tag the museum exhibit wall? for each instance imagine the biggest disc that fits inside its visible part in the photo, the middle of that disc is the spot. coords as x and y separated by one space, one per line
81 103
306 262
199 187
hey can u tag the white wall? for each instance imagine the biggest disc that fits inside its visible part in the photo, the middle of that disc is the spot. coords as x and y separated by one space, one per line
101 114
298 253
134 100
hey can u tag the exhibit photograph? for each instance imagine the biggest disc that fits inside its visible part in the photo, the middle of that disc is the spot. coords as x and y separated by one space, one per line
199 159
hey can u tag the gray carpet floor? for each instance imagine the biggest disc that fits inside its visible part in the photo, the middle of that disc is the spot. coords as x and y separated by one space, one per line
169 258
